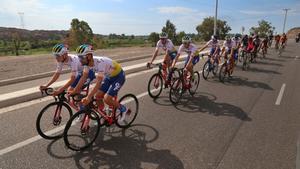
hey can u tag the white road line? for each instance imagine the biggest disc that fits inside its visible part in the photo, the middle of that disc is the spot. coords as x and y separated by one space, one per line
36 138
298 154
278 100
23 105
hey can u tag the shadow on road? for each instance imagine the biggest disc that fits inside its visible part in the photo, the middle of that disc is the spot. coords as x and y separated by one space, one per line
124 149
256 70
205 103
241 81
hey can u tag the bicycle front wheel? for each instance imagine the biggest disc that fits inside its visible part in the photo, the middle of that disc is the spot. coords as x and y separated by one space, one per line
206 70
82 130
194 83
176 91
52 119
223 72
132 104
155 85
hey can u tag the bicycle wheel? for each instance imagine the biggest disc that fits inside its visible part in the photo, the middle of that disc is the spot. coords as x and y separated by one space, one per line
132 104
176 91
194 83
215 67
206 70
82 130
223 72
155 85
52 119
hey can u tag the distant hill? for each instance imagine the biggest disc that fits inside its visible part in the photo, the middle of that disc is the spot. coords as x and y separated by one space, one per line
5 34
293 32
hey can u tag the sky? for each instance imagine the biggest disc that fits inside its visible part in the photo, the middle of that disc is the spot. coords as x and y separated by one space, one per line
141 17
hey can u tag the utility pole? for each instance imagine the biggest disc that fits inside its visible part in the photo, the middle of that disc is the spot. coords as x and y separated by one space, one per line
216 16
22 19
286 10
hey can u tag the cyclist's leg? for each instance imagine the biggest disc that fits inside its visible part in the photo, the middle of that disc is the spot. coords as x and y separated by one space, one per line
172 56
114 87
165 65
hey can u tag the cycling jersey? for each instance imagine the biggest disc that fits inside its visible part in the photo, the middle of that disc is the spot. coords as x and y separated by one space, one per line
106 66
213 43
192 49
283 39
168 46
235 43
73 63
277 38
228 44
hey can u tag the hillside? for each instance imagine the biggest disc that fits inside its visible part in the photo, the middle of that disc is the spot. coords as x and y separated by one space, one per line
5 34
293 32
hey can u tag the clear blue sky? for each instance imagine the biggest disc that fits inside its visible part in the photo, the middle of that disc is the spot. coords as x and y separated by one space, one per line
144 16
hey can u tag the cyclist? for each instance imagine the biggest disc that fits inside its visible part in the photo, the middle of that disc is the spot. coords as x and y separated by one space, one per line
213 43
256 42
60 52
244 45
170 53
193 55
110 77
227 49
270 39
283 40
264 46
236 46
277 40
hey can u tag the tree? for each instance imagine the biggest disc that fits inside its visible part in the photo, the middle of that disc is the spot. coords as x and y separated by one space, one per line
153 37
263 29
179 37
80 32
205 29
170 29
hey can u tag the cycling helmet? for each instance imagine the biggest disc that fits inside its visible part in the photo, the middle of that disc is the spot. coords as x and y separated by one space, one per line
163 35
59 50
214 37
186 39
227 37
83 50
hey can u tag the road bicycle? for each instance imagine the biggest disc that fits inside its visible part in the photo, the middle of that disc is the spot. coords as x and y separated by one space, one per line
156 81
56 114
184 82
211 65
83 127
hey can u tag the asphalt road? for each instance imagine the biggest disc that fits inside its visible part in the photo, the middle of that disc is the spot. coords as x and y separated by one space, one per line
241 124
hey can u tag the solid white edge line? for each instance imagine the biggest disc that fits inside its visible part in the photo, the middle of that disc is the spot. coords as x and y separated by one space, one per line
280 95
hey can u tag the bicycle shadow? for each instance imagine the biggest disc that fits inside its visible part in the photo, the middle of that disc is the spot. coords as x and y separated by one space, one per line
274 59
163 101
257 70
268 63
242 81
126 149
203 103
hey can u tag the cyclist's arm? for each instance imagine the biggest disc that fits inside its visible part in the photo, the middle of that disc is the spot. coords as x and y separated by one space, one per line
154 55
70 81
175 60
190 59
201 49
53 79
99 79
82 80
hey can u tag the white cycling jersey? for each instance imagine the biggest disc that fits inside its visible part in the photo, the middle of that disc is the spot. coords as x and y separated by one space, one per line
190 50
229 44
73 63
236 42
106 66
168 46
213 43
